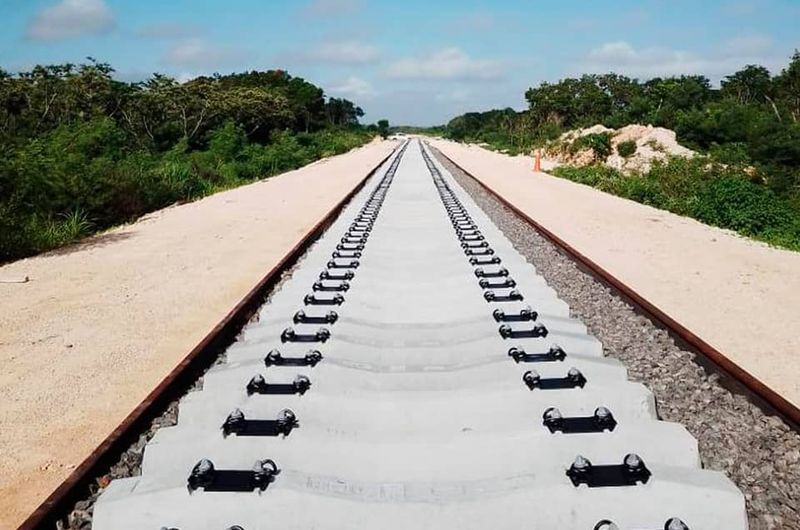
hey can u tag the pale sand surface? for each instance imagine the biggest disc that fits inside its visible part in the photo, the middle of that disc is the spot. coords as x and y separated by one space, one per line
739 295
100 325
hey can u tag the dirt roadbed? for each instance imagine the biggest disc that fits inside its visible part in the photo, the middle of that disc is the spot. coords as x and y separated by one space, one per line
101 323
740 296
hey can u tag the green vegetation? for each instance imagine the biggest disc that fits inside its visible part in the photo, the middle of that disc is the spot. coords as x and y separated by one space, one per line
383 128
80 152
747 130
713 193
599 143
626 149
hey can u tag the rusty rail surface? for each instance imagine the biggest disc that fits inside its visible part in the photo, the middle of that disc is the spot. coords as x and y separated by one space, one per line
76 486
719 360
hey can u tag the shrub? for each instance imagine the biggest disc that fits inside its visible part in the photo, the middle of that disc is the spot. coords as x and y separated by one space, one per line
736 203
641 188
599 143
734 154
626 149
601 177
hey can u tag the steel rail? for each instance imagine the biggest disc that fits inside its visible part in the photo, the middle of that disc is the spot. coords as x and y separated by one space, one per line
788 411
76 486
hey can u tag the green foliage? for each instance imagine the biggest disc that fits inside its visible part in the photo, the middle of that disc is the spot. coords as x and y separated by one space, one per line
599 143
383 128
601 177
743 206
626 149
506 130
714 194
752 84
616 100
80 152
749 129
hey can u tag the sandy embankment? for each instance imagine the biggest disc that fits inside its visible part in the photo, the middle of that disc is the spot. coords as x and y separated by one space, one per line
100 324
739 295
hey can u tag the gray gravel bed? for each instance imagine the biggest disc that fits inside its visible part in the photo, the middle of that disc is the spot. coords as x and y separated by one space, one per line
759 452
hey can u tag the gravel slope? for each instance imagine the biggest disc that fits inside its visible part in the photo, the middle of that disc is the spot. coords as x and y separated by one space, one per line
759 452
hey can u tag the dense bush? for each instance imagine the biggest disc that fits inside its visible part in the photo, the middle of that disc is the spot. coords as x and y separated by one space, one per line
104 152
626 149
599 143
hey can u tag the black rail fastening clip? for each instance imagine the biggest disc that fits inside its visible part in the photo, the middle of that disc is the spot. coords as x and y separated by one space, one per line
349 246
275 358
290 335
554 354
602 420
506 283
301 317
573 379
259 385
526 314
512 296
237 424
499 273
484 261
205 476
537 331
342 286
474 244
311 299
328 275
672 524
346 254
630 472
352 264
479 251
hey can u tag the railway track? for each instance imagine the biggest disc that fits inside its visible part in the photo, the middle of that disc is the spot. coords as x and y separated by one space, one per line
416 372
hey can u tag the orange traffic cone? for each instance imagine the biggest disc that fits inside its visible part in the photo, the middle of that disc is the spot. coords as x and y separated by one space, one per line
537 162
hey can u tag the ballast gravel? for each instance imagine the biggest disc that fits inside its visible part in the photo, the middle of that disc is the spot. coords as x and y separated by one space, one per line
758 451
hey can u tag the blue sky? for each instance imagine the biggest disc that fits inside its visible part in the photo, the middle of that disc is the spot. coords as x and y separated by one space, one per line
411 61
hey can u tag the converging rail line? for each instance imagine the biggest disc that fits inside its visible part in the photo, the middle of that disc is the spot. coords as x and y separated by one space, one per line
416 372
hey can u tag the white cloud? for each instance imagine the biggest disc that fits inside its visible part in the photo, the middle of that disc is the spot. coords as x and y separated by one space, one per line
448 64
167 31
328 8
339 52
200 54
747 45
622 58
353 87
70 18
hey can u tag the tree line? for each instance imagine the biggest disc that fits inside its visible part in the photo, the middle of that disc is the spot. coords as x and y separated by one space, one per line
748 128
81 151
